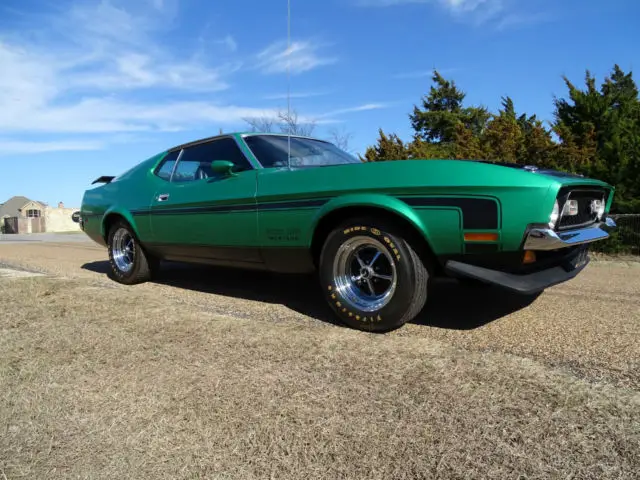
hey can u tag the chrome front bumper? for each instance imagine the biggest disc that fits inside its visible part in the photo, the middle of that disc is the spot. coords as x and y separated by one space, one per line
548 239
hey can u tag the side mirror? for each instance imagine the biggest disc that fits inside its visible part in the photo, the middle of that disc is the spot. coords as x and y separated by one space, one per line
76 217
224 167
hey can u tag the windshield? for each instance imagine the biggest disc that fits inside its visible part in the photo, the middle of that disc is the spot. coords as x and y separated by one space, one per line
271 151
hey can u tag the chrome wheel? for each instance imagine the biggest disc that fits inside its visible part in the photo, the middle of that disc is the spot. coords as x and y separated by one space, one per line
364 273
123 250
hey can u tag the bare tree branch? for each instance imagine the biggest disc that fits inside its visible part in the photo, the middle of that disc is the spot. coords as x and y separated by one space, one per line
289 123
283 121
340 138
260 124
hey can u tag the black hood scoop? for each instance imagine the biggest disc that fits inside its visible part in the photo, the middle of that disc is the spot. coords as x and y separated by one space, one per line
534 169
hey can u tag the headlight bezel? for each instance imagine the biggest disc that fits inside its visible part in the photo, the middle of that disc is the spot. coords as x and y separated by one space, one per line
555 215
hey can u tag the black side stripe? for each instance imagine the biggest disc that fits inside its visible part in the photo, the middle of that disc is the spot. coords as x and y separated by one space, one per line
477 213
196 210
314 202
248 207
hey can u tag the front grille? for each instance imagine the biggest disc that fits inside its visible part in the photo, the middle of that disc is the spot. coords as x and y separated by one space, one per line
585 216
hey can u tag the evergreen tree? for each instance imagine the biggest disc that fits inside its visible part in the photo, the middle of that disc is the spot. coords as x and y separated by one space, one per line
467 145
537 147
421 149
442 110
600 131
388 147
597 132
503 137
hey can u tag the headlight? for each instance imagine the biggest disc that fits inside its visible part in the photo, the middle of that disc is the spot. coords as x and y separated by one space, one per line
597 207
570 208
555 213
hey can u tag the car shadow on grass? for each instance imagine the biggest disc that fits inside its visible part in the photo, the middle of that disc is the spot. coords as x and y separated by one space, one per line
451 305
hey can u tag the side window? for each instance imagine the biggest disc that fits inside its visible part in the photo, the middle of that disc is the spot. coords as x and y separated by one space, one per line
195 163
186 171
227 149
271 151
165 168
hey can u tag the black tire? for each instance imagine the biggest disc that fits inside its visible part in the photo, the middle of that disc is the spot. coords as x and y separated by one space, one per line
404 302
143 267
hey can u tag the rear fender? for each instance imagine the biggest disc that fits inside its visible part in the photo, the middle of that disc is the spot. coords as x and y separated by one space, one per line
119 211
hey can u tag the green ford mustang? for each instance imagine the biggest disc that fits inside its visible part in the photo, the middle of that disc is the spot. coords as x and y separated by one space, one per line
374 233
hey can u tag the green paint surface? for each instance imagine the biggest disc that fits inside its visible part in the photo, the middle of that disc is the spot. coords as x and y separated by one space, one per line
241 210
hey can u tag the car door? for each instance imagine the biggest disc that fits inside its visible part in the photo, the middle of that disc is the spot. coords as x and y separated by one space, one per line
202 214
145 193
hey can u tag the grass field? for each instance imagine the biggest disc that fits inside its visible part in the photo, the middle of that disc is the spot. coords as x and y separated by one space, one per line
102 381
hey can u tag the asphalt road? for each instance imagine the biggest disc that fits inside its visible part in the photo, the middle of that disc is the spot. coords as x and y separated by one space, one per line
45 237
589 326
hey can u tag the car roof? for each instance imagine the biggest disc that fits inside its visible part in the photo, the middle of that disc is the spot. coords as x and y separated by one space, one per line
232 134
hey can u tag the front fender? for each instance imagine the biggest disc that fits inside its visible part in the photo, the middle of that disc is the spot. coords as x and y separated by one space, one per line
375 200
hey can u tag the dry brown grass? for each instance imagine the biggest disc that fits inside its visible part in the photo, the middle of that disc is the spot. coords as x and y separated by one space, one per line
589 326
102 382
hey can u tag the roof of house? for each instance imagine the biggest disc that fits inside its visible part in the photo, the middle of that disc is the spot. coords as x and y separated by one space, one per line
11 208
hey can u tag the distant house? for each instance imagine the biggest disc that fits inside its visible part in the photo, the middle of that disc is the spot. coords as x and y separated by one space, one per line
23 215
21 207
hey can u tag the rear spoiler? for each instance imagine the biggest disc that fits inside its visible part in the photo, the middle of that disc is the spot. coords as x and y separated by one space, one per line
103 179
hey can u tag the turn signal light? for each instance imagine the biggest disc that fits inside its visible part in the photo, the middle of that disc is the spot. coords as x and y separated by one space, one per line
529 256
480 237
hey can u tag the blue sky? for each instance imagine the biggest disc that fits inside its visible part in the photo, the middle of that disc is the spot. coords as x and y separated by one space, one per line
91 87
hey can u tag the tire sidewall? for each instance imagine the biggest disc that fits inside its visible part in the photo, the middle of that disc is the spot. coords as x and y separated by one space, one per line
116 273
390 316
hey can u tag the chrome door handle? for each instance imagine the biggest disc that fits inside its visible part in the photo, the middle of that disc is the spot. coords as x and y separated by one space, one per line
163 197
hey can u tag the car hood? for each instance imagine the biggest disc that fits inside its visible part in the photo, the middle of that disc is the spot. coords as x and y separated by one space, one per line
468 172
534 169
566 178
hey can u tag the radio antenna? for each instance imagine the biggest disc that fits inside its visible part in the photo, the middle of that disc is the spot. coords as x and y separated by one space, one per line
289 84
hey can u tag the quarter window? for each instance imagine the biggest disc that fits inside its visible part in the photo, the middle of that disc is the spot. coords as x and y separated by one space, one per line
165 168
195 163
186 171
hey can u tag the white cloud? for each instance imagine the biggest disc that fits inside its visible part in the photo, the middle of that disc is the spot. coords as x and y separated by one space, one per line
107 115
415 74
521 19
470 5
302 56
80 74
230 43
454 5
18 147
102 23
503 13
141 71
283 96
359 108
101 70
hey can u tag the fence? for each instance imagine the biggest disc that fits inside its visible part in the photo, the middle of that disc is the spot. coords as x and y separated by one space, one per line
23 225
624 239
